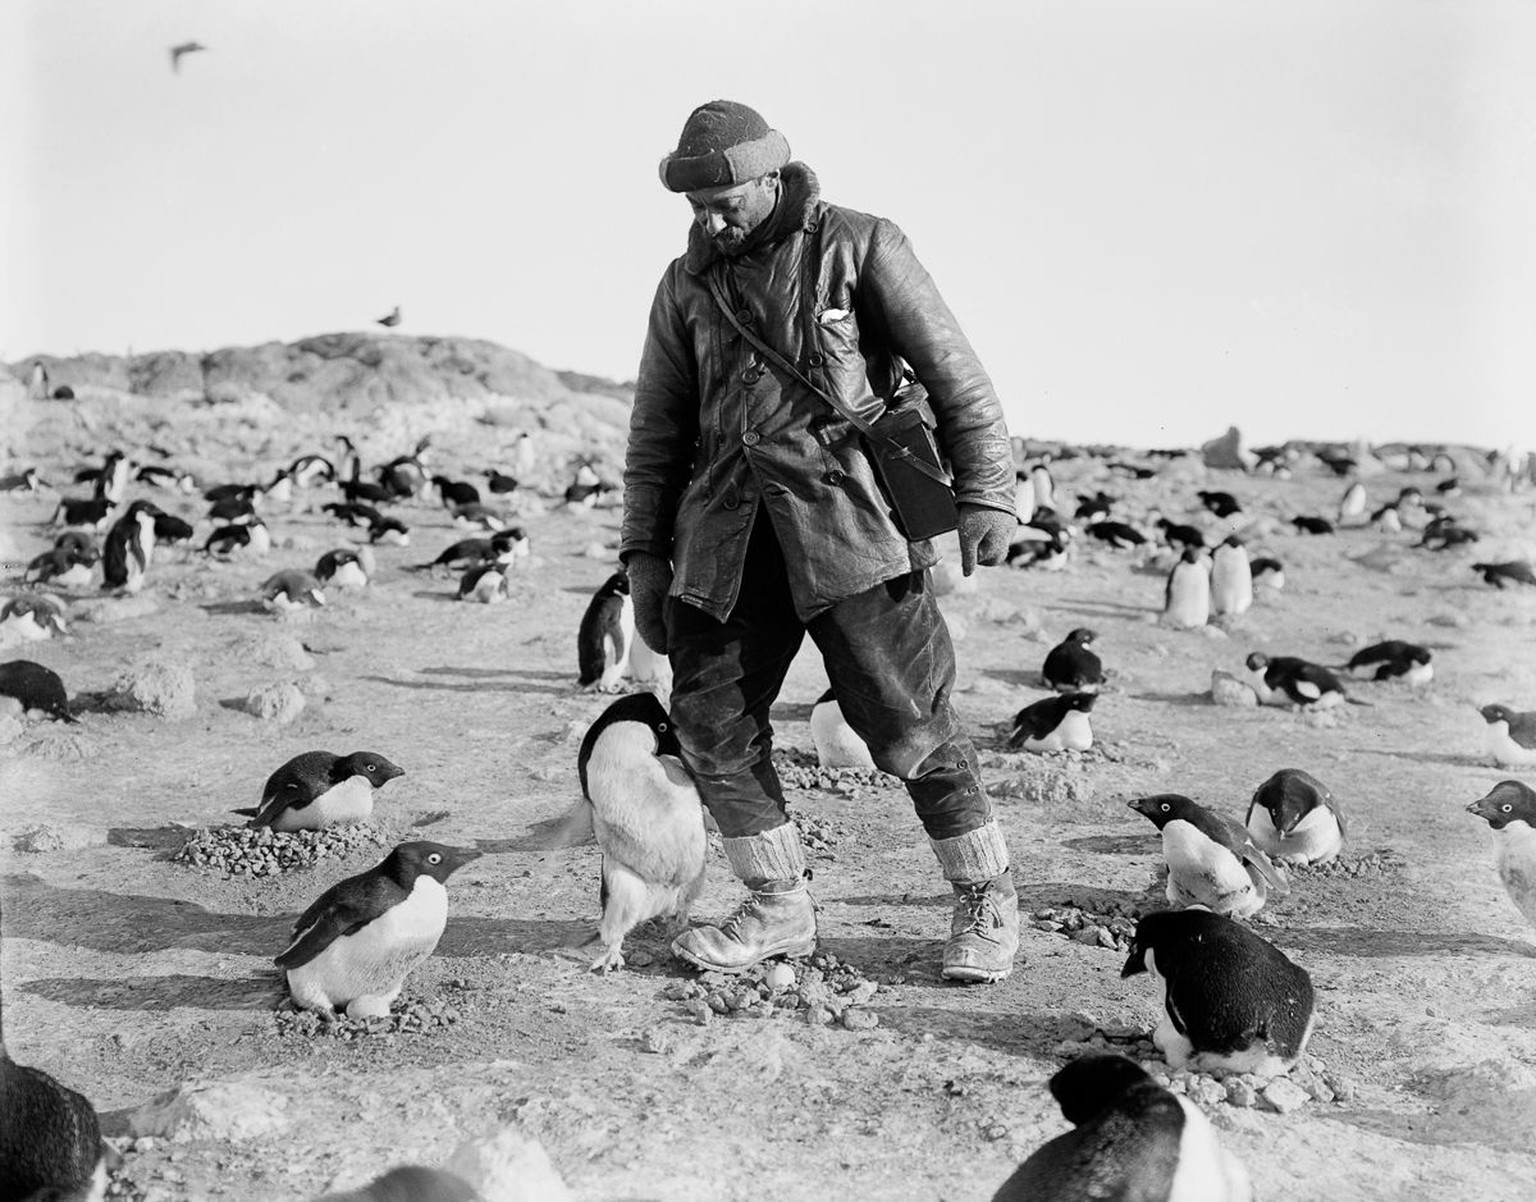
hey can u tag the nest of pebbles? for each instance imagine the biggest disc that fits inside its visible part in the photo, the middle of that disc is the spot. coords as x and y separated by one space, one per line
408 1016
257 852
816 834
800 770
821 991
1381 862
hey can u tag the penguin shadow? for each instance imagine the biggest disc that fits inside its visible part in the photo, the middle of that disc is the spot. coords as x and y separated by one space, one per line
430 595
476 936
1191 699
1099 606
161 993
1370 943
1514 1016
126 922
1053 894
1114 845
1428 757
1025 678
165 841
508 684
222 608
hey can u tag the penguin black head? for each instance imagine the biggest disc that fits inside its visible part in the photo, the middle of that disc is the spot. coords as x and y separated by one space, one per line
1082 702
371 764
1289 796
1191 555
1082 636
1508 801
616 585
436 860
1257 662
1497 713
641 708
1231 541
1163 808
1090 1083
1164 932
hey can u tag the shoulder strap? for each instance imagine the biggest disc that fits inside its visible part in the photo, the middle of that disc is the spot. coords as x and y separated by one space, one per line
778 360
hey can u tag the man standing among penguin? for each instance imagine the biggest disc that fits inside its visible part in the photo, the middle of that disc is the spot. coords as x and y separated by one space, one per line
753 516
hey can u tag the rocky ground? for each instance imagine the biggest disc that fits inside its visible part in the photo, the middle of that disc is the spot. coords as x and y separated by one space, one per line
139 930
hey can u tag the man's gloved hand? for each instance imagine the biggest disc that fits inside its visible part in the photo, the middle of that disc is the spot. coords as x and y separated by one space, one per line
984 537
650 576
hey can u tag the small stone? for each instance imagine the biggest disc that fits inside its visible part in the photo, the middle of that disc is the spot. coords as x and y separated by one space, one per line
718 1004
855 1019
1344 1088
1240 1093
1283 1095
1228 690
818 1016
699 1009
279 704
1207 1091
655 1041
779 977
1088 935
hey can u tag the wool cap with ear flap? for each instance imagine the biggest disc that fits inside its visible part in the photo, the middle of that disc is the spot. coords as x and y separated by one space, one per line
723 143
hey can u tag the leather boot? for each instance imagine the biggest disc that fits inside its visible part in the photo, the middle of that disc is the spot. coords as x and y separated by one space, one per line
778 918
984 930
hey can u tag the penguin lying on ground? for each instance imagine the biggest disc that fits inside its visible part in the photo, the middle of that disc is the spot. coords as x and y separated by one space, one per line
837 745
354 947
1119 535
319 788
343 568
1187 595
1269 572
1212 860
1443 533
353 513
50 1138
1222 504
1306 524
35 689
34 617
484 583
77 511
1288 680
1393 660
171 529
1057 723
477 516
68 564
27 480
1510 809
454 493
1512 572
245 538
1071 666
388 530
1178 535
1132 1140
1511 736
1231 1000
645 811
1294 817
291 589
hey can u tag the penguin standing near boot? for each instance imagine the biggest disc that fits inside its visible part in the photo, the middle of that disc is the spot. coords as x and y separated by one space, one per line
1187 595
319 788
129 549
1293 817
1131 1139
354 947
1231 579
606 635
837 745
1212 860
1072 666
1057 723
1231 999
1511 736
645 811
1510 809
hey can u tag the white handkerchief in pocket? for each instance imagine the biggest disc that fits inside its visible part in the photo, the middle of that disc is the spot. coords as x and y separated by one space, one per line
829 317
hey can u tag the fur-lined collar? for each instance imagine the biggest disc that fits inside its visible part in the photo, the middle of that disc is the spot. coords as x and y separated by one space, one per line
799 191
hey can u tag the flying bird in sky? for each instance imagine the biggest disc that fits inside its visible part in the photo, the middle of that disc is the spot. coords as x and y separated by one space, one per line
184 48
390 319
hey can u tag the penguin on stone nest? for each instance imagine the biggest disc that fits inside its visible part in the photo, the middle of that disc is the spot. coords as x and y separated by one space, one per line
1058 723
1294 817
316 789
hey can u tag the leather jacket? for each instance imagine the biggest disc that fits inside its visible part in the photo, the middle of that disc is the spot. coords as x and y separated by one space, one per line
717 434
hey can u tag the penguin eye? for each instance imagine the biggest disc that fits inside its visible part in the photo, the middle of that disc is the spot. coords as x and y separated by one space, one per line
1506 808
434 858
371 768
1166 807
661 728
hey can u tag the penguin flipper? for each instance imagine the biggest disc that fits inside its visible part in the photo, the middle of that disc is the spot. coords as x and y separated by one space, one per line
314 935
1273 875
246 812
571 829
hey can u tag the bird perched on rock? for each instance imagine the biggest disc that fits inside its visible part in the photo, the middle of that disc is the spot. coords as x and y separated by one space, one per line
645 812
1212 860
1057 723
1131 1139
50 1137
291 589
1393 660
319 788
34 617
1289 680
1511 736
1187 595
35 689
1507 574
837 744
181 50
354 947
1231 999
1510 809
1294 817
1071 666
391 319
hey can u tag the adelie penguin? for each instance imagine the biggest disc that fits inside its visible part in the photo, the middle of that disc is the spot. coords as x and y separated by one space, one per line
291 590
34 617
1306 524
343 568
1072 666
1057 723
246 538
1288 680
1231 579
1510 809
70 563
1269 572
1231 1000
1212 860
642 806
1294 818
50 1138
1179 535
319 788
485 584
607 646
1131 1140
35 689
1511 736
1187 595
129 549
1508 574
837 744
1393 660
354 947
1222 504
1119 535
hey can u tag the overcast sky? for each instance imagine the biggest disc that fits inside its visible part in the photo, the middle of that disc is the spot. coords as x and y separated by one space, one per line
1308 217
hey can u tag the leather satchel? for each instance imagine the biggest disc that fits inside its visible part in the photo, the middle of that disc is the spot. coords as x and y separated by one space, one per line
898 444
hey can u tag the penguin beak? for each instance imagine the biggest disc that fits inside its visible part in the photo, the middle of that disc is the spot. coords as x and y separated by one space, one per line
1480 807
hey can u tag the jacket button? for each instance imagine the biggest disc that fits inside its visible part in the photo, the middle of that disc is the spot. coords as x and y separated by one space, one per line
810 227
732 500
750 438
752 375
744 315
834 477
815 358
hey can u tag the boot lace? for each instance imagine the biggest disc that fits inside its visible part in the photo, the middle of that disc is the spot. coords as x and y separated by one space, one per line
750 908
981 913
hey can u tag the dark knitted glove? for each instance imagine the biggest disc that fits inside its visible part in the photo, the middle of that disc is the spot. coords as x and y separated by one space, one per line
650 576
984 537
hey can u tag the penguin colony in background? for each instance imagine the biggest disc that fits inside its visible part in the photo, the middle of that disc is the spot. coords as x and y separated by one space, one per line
1230 1001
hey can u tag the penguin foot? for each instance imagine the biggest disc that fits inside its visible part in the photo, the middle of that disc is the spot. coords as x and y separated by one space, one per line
373 1006
611 958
